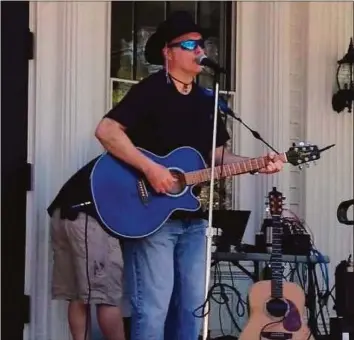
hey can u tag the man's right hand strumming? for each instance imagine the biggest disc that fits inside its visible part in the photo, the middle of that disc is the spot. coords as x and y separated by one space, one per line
160 178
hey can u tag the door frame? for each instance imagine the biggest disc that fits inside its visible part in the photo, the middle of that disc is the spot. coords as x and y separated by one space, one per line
16 171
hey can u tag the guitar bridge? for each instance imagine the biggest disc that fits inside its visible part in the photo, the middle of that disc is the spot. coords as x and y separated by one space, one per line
276 335
142 191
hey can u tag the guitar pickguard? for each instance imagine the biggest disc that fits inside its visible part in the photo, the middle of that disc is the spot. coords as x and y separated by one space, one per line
292 321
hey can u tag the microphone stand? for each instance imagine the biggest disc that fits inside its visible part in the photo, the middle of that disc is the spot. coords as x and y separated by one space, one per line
254 133
209 230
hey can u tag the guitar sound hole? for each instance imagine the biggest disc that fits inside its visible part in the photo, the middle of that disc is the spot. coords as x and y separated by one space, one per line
180 184
277 307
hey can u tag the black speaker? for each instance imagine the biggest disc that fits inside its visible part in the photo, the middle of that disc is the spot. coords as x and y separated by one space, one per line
344 290
338 326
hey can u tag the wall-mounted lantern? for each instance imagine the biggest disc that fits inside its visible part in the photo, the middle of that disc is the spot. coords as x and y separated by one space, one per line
344 97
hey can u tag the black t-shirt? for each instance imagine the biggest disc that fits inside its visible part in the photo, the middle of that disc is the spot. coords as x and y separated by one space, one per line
160 119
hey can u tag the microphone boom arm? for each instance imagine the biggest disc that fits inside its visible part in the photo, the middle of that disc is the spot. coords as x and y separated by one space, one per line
226 110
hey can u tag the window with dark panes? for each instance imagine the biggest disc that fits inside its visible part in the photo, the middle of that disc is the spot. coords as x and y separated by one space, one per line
132 23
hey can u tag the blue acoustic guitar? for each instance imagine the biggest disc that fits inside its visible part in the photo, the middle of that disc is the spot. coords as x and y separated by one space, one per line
128 206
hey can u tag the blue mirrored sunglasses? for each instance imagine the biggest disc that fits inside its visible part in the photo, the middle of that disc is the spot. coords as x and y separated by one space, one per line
188 45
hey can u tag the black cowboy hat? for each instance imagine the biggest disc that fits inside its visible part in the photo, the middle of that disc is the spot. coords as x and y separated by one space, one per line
177 24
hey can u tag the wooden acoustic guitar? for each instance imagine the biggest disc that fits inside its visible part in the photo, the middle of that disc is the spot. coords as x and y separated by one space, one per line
276 308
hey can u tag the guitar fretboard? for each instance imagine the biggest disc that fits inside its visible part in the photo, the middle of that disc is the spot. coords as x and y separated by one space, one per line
232 169
276 259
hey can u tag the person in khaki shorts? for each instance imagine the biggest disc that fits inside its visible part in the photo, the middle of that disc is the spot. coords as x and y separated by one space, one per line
87 261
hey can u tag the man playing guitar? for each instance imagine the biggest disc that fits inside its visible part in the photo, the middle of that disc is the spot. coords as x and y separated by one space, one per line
165 271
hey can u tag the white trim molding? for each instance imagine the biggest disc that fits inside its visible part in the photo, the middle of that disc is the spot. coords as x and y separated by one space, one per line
331 181
262 89
68 96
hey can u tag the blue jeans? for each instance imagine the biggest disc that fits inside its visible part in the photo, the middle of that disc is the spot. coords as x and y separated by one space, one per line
165 279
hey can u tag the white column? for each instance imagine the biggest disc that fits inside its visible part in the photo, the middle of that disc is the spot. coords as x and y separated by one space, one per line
69 85
263 96
331 181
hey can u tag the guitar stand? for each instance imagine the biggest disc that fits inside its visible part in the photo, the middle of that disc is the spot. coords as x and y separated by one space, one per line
312 293
311 299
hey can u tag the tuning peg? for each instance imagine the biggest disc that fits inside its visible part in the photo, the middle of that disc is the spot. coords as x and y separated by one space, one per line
300 167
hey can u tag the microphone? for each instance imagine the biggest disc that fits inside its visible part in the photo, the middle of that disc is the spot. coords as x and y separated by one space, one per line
203 60
223 106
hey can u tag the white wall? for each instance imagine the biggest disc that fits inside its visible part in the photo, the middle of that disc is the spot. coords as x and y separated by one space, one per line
262 90
286 62
331 181
68 96
287 55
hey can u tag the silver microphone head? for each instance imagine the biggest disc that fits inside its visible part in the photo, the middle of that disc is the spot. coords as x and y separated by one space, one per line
200 58
203 60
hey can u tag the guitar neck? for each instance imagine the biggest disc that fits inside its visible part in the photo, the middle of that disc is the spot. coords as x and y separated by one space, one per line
276 258
232 169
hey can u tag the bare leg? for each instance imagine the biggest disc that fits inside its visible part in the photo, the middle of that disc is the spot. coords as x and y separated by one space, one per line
77 312
110 321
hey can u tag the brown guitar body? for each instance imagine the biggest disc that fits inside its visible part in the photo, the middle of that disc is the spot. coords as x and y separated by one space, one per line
292 326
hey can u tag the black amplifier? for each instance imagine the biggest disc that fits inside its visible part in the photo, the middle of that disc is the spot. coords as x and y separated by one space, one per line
298 244
344 280
340 326
295 239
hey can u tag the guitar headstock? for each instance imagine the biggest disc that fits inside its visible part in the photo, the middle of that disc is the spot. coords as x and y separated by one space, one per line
302 153
275 199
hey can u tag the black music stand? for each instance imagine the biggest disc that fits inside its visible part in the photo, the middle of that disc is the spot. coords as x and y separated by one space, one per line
232 224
